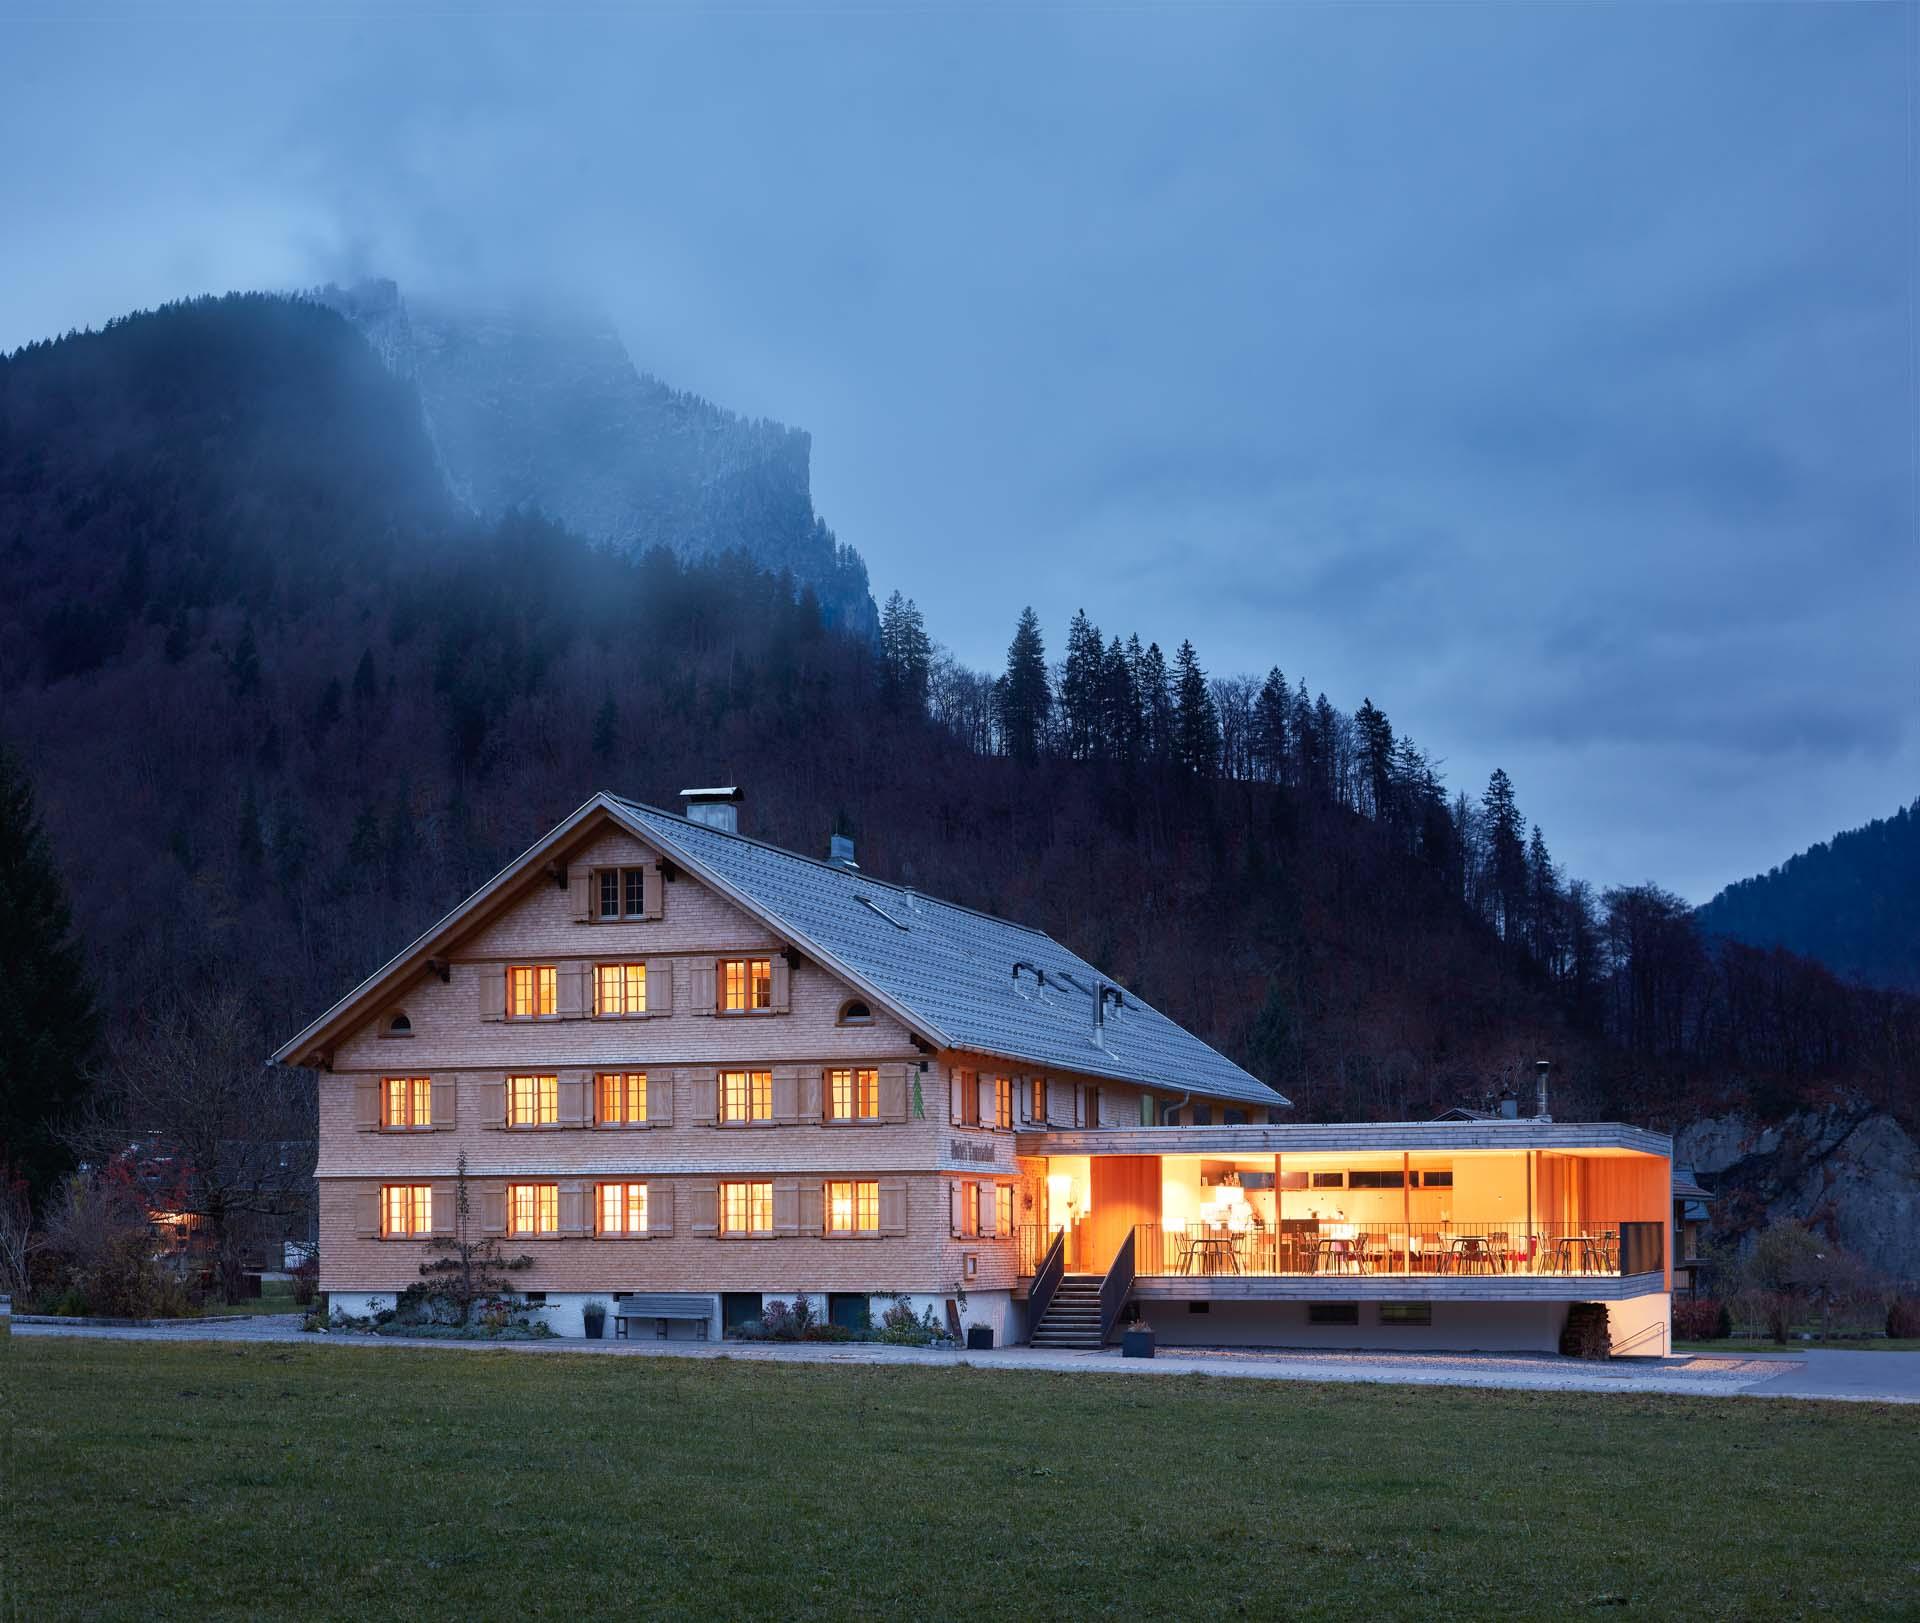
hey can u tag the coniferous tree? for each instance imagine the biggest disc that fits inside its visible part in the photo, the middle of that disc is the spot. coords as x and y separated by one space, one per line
906 656
1376 748
1196 745
365 685
1081 680
1156 702
1543 902
1024 694
1119 706
1506 853
606 729
1271 731
47 1016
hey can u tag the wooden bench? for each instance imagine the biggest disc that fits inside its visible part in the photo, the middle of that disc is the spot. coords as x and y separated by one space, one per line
661 1307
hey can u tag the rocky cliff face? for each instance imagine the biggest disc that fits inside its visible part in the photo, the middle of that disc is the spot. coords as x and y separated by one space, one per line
1846 1170
542 409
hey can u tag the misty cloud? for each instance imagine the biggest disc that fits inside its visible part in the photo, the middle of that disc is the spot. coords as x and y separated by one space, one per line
1544 374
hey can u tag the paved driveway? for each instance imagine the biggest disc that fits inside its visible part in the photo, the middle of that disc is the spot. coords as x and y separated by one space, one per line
1857 1376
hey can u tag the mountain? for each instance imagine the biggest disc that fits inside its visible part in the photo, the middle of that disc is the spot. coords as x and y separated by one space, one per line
1852 902
537 407
285 699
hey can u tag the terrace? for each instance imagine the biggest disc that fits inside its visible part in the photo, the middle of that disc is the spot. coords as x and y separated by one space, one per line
1508 1211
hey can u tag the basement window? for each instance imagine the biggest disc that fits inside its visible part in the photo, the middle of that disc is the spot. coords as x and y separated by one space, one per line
1418 1313
1333 1313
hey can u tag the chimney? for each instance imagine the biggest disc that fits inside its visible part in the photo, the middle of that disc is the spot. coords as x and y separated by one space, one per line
716 808
1540 1069
840 853
1509 1106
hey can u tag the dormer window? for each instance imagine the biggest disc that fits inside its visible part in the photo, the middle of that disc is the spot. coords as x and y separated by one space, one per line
855 1013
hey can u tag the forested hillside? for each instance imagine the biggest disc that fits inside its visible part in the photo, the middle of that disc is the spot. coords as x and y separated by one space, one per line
1852 902
285 702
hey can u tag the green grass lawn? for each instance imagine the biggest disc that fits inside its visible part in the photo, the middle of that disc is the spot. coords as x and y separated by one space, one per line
156 1480
1742 1344
276 1296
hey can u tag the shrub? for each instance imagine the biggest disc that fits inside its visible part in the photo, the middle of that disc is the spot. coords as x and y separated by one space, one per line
776 1318
826 1332
306 1282
1903 1318
1701 1319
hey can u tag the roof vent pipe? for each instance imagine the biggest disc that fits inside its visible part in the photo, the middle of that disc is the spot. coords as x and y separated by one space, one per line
1101 993
1509 1106
840 853
1540 1069
715 808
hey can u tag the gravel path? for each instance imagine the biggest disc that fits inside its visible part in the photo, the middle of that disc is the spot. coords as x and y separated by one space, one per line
1856 1376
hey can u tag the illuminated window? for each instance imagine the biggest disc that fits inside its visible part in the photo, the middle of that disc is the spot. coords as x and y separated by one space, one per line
853 1095
746 1096
853 1208
1003 1101
620 989
533 1208
1003 1210
969 1209
746 1208
533 1101
623 1208
407 1102
1038 1085
533 990
621 1098
406 1208
746 984
969 1083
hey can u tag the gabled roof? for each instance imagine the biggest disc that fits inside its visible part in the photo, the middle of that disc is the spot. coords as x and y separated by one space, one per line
948 972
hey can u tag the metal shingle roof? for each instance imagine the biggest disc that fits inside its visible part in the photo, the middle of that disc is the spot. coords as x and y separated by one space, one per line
952 968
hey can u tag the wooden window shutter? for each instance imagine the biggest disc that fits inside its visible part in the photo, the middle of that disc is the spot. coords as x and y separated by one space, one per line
983 1208
659 986
574 1090
446 1103
956 1081
445 1212
893 1093
493 991
782 983
705 980
893 1205
988 1103
573 1002
786 1094
786 1206
813 1208
493 1103
660 1098
493 1211
366 1213
659 1208
1093 1106
574 1216
580 892
653 893
812 1094
704 1215
956 1207
704 1099
366 1106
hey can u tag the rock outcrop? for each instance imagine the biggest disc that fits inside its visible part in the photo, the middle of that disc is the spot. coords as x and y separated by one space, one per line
1846 1170
542 409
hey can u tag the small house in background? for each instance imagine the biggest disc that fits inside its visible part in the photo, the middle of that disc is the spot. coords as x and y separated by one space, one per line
1690 1218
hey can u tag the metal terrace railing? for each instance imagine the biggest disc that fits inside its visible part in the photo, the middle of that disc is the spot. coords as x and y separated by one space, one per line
1308 1247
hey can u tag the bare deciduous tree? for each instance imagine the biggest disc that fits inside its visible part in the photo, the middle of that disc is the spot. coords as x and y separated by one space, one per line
187 1095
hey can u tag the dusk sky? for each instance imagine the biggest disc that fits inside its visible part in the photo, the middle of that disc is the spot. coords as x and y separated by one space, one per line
1548 374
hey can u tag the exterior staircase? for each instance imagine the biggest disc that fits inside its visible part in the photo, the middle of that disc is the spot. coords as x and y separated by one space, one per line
1072 1318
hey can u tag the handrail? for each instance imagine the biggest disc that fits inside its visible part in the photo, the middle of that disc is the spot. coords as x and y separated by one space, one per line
1116 1287
1045 1278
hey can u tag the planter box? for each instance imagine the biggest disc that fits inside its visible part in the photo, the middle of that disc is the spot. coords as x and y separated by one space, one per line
596 1329
979 1338
1136 1344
